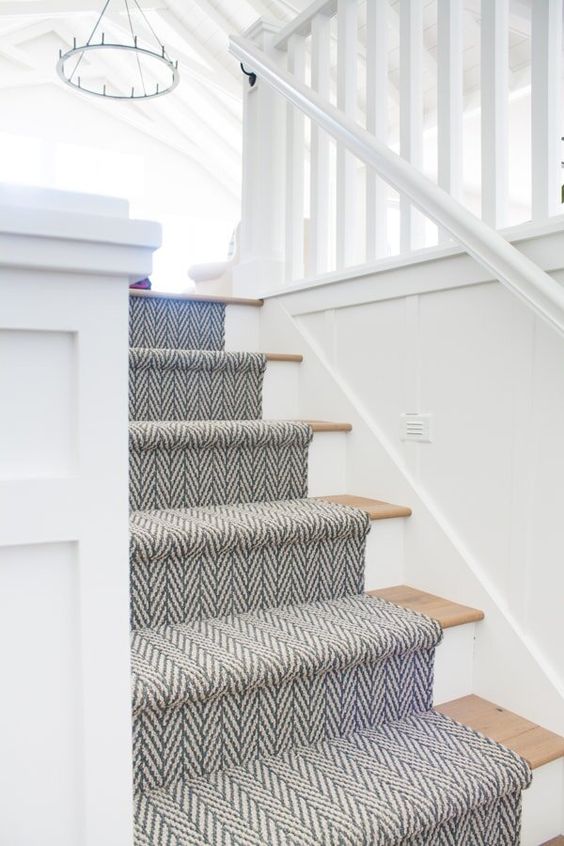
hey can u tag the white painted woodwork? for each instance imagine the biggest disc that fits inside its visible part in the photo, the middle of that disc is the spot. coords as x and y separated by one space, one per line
295 167
525 278
542 805
377 119
327 463
263 219
242 328
454 663
385 553
280 391
347 170
546 107
65 728
450 105
320 176
302 23
411 114
495 99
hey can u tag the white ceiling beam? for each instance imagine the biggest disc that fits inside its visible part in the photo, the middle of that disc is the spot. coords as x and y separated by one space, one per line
178 19
187 92
62 8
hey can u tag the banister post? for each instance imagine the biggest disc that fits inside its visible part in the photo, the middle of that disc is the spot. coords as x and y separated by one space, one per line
262 241
65 720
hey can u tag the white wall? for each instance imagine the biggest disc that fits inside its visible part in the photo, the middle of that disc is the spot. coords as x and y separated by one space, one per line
58 139
488 491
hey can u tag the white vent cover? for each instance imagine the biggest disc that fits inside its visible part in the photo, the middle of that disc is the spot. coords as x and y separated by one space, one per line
415 427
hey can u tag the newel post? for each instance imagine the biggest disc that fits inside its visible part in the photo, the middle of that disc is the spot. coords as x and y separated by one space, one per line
65 719
261 265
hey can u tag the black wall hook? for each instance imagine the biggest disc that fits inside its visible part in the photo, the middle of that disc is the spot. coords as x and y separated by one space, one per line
252 76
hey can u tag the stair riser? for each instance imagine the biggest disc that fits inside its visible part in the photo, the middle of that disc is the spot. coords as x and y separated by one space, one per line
327 467
184 474
542 805
170 385
188 740
385 553
280 391
180 588
242 328
454 662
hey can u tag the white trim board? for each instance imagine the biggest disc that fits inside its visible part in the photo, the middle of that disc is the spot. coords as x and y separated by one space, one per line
431 269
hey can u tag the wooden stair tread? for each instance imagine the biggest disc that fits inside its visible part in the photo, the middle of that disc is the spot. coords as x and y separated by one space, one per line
327 426
284 357
556 841
446 613
198 298
375 508
536 744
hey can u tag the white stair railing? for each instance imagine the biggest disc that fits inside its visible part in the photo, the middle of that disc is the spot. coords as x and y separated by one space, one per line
338 211
308 40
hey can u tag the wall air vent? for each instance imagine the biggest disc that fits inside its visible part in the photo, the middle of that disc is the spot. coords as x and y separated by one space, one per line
415 427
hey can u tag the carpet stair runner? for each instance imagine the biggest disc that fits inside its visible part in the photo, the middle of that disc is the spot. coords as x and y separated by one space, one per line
273 702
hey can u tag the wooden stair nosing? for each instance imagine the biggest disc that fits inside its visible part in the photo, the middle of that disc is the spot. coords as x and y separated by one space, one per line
556 841
533 742
375 508
198 298
328 426
445 612
297 357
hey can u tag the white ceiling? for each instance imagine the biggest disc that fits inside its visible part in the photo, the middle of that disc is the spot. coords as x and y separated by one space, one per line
202 119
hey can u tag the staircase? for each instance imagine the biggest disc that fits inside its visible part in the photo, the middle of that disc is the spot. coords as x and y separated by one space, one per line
274 702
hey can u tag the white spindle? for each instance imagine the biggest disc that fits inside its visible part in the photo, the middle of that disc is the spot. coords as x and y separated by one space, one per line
376 123
546 69
295 174
450 94
347 213
320 167
495 106
411 113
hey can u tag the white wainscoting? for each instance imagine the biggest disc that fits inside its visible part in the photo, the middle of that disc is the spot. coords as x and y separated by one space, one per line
65 721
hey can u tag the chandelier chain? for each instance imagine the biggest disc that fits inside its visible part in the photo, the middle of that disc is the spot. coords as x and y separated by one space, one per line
90 37
135 45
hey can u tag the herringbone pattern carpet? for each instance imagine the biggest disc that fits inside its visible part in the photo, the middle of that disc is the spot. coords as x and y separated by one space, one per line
194 385
273 703
420 781
189 564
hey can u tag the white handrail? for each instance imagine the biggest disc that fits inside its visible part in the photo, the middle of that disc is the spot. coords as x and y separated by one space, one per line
517 272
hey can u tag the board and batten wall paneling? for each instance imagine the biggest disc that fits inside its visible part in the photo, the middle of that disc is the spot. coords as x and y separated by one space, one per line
65 727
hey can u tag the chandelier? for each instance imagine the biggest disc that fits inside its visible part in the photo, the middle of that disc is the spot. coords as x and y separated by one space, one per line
148 72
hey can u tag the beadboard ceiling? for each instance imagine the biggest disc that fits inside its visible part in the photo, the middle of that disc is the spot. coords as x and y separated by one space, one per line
203 117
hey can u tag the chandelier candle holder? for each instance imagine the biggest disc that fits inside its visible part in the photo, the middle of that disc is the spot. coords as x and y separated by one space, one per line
155 73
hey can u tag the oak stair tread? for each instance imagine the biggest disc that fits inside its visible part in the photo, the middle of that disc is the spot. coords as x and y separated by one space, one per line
446 612
297 357
198 298
532 742
328 426
375 508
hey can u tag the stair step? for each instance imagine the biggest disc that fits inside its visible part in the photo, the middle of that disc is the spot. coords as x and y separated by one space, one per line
375 508
442 610
292 357
168 384
189 564
537 745
273 679
556 841
418 780
194 298
185 464
328 426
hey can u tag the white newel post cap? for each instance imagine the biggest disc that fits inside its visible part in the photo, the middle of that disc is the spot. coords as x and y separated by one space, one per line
75 233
